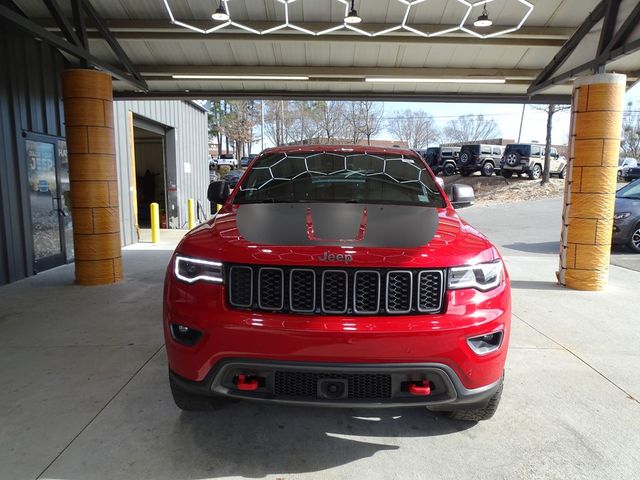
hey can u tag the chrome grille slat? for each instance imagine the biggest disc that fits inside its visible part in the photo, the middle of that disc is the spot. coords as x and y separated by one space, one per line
336 291
430 290
366 281
271 288
399 293
302 290
334 283
241 286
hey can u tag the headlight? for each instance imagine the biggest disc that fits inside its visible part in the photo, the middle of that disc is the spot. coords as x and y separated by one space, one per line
483 276
621 216
192 270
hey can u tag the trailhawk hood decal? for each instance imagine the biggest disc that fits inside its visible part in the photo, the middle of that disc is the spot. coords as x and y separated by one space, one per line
367 225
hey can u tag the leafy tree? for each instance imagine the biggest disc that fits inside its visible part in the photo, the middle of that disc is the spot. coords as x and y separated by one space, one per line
469 128
414 127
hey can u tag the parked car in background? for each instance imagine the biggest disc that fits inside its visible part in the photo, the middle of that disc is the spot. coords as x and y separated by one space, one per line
244 161
479 157
528 158
626 219
441 159
632 173
302 291
232 178
628 169
227 159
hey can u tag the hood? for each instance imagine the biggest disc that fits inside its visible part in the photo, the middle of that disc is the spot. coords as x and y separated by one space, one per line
326 234
627 205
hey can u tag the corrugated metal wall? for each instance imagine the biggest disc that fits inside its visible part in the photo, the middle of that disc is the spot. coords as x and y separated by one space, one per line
186 126
30 101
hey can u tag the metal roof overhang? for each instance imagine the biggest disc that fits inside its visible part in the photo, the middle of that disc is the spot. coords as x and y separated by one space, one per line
150 57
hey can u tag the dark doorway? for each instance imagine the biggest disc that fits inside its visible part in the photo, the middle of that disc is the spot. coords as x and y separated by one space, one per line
150 175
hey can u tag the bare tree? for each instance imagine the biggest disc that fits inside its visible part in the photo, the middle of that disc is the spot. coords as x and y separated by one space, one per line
417 128
352 120
468 128
370 118
304 123
238 122
332 119
550 110
630 142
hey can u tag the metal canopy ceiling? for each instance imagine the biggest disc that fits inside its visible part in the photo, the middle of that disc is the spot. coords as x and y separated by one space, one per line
337 63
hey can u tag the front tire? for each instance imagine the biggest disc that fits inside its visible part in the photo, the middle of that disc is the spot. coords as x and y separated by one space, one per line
634 241
478 414
563 173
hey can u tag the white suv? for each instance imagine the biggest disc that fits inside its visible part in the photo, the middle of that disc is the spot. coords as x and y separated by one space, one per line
226 159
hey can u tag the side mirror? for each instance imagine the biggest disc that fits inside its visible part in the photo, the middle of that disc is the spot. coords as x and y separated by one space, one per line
218 192
461 195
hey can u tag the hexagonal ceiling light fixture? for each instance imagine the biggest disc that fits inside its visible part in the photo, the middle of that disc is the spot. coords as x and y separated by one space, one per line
351 19
409 4
221 14
484 21
287 23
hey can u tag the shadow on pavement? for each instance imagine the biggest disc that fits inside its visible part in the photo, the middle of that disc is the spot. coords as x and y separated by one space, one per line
251 440
541 247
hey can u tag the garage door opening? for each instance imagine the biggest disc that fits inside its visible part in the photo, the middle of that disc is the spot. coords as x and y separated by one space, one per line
150 160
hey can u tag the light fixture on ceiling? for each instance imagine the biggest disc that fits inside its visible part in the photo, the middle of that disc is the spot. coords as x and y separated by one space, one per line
433 80
352 17
220 15
237 77
483 20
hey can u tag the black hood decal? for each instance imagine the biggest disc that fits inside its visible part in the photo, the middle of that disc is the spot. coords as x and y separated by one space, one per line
335 224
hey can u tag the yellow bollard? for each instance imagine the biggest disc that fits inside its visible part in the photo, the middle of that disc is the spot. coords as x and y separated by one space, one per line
191 213
155 223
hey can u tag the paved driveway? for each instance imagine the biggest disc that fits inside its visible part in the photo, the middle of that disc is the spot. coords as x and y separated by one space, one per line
85 396
532 228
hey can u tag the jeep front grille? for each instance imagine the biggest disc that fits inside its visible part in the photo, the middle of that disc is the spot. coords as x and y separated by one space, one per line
333 291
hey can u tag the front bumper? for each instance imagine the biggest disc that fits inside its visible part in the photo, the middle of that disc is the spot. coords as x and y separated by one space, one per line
623 229
365 385
433 339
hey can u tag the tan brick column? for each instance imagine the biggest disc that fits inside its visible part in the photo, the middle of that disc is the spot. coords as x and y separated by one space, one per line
88 112
589 198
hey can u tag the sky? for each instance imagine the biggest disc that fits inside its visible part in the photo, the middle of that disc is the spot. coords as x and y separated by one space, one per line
507 116
534 126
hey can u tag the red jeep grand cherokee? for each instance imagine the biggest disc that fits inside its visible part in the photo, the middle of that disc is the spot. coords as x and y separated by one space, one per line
338 276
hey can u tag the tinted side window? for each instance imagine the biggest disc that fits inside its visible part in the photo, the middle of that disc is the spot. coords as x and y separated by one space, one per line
535 150
497 151
486 150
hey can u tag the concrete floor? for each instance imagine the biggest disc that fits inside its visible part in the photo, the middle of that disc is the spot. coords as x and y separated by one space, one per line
85 393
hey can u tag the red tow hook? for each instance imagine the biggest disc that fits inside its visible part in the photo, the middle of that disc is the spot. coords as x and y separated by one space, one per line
246 383
420 388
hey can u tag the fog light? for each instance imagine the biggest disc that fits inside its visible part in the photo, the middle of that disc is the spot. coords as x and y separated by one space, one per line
184 334
485 343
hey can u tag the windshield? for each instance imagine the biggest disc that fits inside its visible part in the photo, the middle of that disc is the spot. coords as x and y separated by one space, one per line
342 178
630 191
